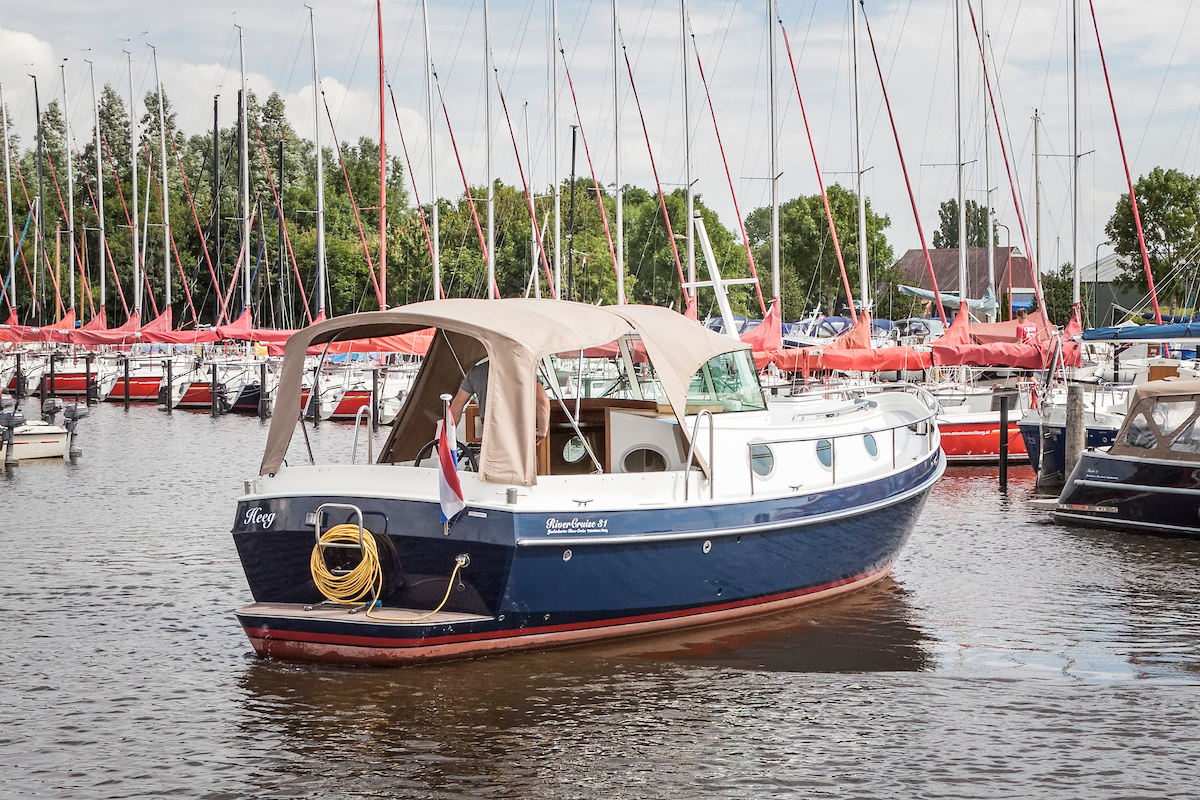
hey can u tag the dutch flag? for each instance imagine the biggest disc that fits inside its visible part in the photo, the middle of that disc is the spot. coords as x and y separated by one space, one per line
449 489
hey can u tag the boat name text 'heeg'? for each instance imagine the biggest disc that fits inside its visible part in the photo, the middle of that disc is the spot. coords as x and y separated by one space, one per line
576 525
255 516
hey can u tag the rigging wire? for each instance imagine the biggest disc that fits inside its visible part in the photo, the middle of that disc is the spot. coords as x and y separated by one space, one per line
736 210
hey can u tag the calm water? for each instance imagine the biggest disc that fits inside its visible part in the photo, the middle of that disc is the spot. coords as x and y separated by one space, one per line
1008 657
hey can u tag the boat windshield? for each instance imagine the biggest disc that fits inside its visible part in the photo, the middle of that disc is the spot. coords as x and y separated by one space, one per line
727 382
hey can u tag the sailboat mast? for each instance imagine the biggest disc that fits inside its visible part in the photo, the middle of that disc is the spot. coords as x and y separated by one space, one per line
487 115
533 238
166 209
320 170
987 169
554 148
619 194
12 256
103 243
958 144
1037 195
133 148
864 275
774 146
687 148
39 240
382 169
70 187
244 162
435 235
1074 157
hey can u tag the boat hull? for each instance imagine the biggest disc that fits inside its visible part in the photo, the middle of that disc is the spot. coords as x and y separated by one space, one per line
1140 495
270 642
348 406
978 442
37 441
71 383
141 389
1055 445
538 580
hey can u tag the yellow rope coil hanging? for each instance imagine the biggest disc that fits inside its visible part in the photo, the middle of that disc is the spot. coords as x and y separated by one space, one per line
364 583
354 586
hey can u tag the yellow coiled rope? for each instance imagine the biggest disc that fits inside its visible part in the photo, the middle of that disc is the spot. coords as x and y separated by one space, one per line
354 586
364 583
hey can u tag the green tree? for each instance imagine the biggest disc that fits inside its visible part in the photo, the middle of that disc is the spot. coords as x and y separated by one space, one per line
1057 291
946 236
1169 205
810 273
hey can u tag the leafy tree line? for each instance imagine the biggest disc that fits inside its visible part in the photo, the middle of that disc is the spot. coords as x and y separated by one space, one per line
203 189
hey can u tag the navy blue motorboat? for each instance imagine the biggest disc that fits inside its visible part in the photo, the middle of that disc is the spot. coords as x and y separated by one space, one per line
678 498
1149 480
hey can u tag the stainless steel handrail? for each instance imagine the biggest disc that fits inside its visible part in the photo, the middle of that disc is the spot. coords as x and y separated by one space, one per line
923 394
347 507
370 445
687 470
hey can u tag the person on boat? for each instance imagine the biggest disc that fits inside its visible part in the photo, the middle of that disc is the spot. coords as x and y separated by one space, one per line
1026 330
475 384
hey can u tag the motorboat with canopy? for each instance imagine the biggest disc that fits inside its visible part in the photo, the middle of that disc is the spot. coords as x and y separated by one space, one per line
1149 479
678 497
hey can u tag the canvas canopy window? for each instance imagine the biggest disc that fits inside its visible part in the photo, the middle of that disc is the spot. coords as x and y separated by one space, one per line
1162 422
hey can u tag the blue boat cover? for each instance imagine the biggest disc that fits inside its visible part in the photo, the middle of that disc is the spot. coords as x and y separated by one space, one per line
1156 333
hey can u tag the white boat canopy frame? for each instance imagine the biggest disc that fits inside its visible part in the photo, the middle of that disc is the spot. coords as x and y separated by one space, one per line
514 334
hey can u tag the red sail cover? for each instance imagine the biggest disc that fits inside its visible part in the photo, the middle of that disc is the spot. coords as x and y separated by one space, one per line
162 322
988 332
959 331
1071 350
768 336
995 354
415 343
880 359
240 328
55 332
97 323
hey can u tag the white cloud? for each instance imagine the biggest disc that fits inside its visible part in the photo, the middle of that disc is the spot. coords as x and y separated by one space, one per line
199 58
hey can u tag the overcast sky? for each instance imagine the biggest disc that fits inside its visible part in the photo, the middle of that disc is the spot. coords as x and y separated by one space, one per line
1150 49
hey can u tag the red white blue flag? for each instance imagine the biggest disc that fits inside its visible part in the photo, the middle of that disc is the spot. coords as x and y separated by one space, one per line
449 489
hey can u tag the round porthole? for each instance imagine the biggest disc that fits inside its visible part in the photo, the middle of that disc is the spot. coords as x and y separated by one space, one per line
825 452
871 445
644 459
574 450
762 460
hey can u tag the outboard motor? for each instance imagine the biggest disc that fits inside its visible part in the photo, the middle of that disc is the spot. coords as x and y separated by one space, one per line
71 416
50 408
9 422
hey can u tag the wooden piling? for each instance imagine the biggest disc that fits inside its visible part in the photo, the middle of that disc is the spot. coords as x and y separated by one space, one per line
1076 429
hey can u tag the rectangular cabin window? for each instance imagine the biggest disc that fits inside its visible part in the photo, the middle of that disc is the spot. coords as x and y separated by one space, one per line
727 382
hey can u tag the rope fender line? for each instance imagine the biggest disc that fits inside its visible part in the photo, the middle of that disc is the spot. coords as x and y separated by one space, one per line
364 583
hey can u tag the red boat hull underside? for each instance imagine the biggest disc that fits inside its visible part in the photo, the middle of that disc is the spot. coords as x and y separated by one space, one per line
141 390
351 402
196 396
979 442
337 649
70 383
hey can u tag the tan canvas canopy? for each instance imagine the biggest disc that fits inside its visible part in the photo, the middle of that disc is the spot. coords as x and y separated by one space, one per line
1155 441
514 335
